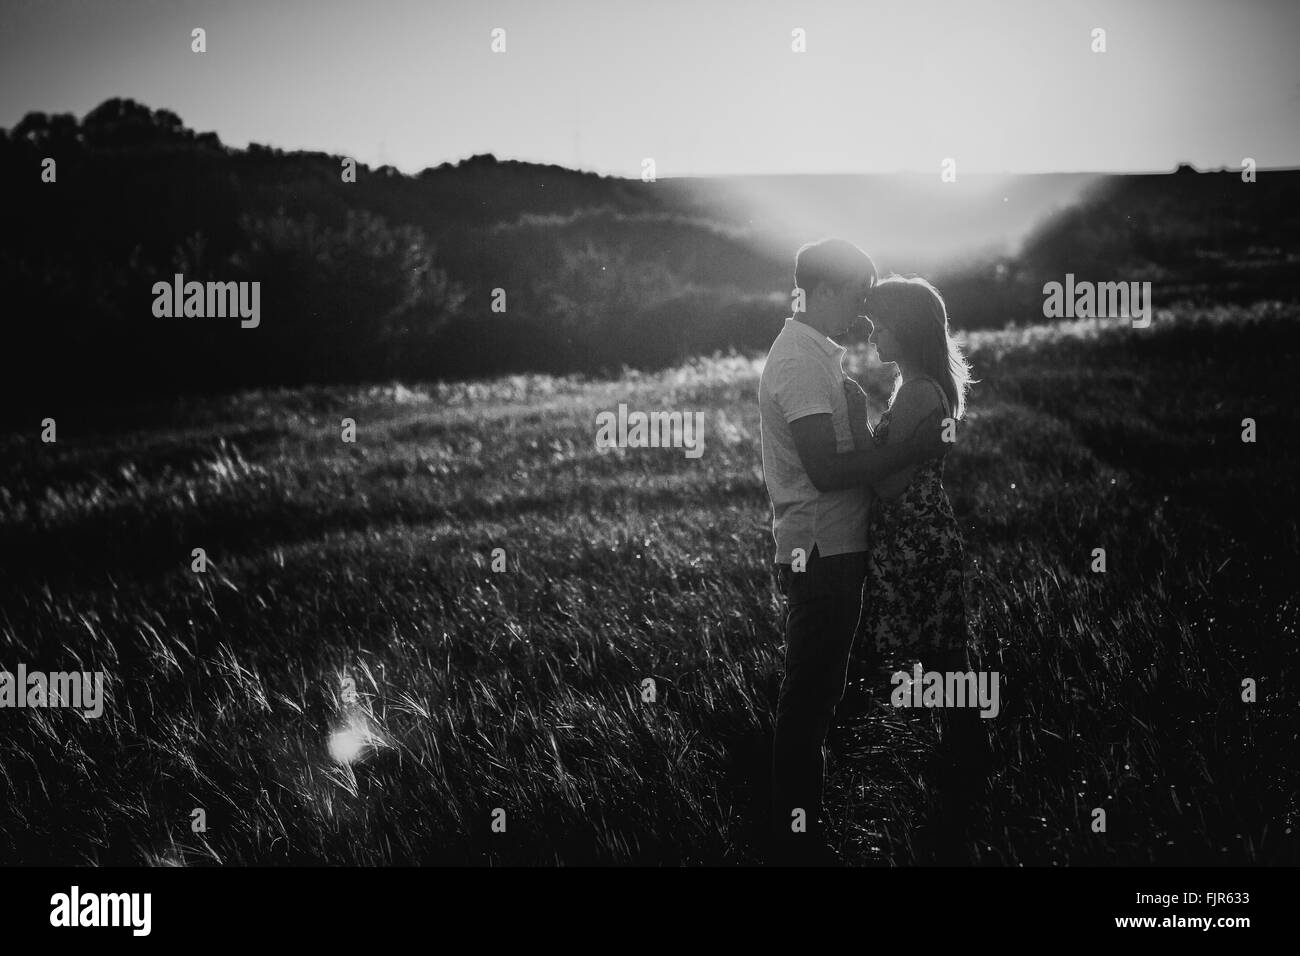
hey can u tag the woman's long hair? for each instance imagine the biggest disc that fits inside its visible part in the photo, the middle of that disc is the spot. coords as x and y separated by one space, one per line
913 310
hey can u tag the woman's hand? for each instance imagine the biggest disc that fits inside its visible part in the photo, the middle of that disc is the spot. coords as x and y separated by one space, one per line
857 402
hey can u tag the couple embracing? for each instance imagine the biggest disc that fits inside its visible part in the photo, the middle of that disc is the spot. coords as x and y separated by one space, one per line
868 554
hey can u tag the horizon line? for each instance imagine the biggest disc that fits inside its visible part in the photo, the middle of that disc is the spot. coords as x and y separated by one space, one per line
1179 166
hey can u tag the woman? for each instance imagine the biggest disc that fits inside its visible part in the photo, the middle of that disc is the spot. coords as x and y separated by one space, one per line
913 598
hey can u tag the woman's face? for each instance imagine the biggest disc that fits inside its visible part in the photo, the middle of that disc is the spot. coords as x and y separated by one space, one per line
886 344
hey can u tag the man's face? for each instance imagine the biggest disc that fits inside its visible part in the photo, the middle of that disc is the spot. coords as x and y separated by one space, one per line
847 304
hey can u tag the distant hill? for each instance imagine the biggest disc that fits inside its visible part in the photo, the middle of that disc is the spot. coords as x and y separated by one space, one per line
394 275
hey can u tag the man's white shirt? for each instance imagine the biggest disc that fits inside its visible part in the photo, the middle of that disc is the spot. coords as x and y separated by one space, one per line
804 375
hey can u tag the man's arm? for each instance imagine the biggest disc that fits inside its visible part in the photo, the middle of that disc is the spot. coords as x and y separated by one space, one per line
828 470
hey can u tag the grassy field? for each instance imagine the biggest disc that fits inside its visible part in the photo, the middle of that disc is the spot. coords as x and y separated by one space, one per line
521 690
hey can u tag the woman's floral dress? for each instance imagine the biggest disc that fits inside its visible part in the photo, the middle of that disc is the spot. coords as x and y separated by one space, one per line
913 598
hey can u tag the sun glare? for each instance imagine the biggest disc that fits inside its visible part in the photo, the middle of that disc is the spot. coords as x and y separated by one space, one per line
349 743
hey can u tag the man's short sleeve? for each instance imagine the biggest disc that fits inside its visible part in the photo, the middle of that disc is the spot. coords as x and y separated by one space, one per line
799 388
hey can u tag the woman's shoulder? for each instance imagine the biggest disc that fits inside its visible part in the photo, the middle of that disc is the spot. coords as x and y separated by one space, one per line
920 394
913 403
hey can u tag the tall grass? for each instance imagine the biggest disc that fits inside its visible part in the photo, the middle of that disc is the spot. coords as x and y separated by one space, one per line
522 690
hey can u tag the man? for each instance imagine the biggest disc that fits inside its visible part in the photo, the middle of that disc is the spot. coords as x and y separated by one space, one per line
818 486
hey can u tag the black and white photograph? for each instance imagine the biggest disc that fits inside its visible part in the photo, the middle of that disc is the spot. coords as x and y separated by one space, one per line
588 435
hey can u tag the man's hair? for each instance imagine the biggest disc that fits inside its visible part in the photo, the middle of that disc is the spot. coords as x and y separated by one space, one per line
833 261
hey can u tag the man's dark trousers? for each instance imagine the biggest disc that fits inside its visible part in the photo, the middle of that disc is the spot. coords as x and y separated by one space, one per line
823 603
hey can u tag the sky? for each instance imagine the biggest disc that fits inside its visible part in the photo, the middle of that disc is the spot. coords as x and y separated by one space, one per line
702 87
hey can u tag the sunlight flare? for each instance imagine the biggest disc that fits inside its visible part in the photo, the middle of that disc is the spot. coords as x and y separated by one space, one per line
349 743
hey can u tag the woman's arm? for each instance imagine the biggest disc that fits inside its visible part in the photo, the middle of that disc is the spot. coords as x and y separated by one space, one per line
914 402
858 424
